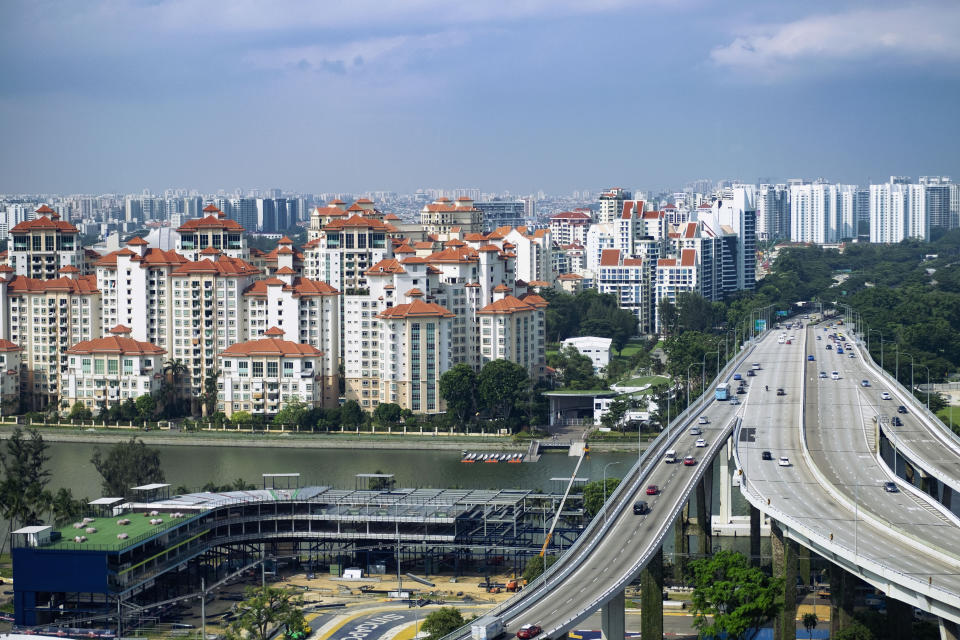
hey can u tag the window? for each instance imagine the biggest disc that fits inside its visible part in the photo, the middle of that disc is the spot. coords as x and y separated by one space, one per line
271 369
127 366
85 365
287 369
242 369
98 367
257 369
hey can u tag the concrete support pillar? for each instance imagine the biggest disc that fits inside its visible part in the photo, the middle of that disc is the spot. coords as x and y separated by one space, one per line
726 485
651 598
704 504
899 618
681 544
613 619
755 536
948 630
803 566
841 599
785 566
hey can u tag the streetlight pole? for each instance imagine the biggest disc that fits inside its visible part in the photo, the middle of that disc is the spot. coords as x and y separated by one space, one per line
692 364
609 464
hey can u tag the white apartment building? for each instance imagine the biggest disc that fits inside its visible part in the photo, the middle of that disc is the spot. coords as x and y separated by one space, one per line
676 276
629 280
39 248
773 212
46 317
214 231
514 329
308 310
10 358
534 262
898 211
262 376
570 227
611 204
106 371
443 216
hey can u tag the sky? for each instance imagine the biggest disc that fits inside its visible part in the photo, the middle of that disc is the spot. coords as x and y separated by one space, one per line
104 96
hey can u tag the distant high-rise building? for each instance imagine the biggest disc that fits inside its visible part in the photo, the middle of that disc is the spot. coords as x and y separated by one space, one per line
133 210
192 206
898 211
815 213
502 213
773 212
938 200
244 211
266 215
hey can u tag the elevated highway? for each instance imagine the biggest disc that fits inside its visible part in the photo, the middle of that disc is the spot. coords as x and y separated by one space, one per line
830 498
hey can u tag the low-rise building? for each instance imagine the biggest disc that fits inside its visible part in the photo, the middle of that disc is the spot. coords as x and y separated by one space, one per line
597 349
262 376
106 371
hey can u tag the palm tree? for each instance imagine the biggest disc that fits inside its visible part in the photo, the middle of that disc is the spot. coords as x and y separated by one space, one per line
174 370
810 621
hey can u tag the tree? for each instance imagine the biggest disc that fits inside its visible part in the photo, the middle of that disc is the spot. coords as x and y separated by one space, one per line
856 631
209 395
241 418
292 412
387 413
458 386
615 412
79 411
146 405
126 465
732 597
535 566
501 386
128 410
23 495
442 621
264 609
669 318
810 621
351 414
593 495
575 369
64 508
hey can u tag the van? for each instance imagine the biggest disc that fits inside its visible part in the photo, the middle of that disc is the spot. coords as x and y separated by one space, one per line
670 457
756 366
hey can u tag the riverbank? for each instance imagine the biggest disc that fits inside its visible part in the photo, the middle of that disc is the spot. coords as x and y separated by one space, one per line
287 440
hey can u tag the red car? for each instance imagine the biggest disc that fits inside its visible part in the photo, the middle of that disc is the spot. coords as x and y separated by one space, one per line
689 461
528 631
653 490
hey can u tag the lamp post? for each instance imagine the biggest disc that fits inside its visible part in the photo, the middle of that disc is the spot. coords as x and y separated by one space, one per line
869 331
606 466
705 367
911 369
692 364
928 385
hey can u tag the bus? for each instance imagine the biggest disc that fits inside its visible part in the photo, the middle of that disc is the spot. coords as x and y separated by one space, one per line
722 392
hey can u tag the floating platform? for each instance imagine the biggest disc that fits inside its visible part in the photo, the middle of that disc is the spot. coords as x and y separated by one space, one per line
471 457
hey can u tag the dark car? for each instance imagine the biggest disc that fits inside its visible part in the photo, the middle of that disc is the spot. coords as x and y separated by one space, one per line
528 631
741 389
751 372
640 507
766 455
810 358
901 409
781 392
890 487
653 490
897 422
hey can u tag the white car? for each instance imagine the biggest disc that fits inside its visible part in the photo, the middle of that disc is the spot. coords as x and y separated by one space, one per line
703 420
884 396
835 375
701 442
784 461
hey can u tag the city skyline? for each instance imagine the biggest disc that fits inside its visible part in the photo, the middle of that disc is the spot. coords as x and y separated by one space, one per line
531 96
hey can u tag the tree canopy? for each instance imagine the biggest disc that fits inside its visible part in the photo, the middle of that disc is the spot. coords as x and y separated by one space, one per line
458 387
442 621
589 313
593 495
23 495
264 609
732 597
126 465
501 386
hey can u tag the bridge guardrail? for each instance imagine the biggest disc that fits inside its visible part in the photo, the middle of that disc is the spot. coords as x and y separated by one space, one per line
599 526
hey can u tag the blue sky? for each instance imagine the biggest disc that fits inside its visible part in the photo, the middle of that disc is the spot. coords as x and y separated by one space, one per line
119 95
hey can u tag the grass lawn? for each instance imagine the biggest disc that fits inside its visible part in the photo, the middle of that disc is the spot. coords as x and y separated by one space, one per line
944 415
629 350
107 530
645 380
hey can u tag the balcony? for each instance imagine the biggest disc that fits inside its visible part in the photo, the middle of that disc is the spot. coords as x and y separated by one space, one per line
306 373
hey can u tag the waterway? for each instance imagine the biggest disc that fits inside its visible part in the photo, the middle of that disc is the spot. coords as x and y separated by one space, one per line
193 467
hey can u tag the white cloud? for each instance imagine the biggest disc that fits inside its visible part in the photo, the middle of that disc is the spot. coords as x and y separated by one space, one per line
912 35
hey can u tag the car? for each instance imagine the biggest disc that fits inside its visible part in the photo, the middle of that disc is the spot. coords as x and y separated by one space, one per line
695 431
829 347
823 374
810 358
532 630
741 389
839 350
639 508
890 487
652 490
792 338
689 461
703 420
851 355
737 376
835 375
789 342
781 392
751 372
783 461
818 337
701 442
895 421
734 400
864 383
884 395
901 409
766 455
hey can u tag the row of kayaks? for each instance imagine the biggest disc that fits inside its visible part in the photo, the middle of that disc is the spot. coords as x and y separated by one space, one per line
491 457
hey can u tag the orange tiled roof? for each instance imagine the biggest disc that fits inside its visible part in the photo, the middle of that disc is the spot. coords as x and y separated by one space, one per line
301 287
210 222
223 266
6 345
82 284
534 300
116 344
385 267
358 222
455 254
416 309
272 346
44 223
508 305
